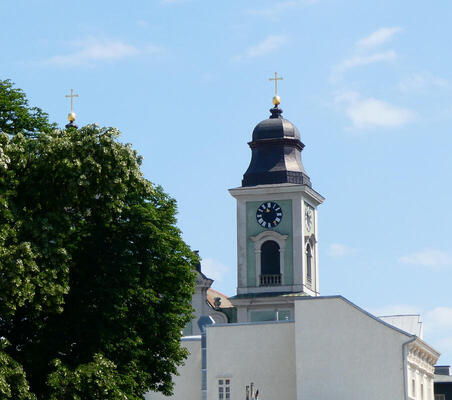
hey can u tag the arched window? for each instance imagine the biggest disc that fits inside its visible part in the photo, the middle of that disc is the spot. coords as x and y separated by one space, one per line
270 264
308 262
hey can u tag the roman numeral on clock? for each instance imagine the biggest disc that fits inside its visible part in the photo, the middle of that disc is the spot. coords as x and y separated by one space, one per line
269 214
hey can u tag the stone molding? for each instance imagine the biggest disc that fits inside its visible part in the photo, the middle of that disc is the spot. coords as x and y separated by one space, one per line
250 191
310 239
422 358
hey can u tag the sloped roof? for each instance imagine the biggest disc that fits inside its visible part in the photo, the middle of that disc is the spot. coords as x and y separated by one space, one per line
212 293
410 323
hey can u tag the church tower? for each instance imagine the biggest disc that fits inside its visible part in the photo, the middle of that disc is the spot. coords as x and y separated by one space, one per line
277 230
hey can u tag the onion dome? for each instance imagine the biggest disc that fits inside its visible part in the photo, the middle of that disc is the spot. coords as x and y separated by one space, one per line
276 153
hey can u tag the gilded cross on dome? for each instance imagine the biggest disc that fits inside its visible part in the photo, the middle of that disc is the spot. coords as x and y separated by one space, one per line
71 116
276 98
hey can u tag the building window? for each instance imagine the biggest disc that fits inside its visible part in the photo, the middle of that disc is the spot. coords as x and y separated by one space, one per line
270 264
269 315
224 388
309 262
283 315
422 391
440 397
413 388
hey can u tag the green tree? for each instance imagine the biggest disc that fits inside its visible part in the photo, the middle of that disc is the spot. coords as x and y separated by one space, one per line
96 281
17 116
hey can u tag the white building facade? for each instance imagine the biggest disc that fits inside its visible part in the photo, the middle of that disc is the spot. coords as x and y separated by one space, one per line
333 350
280 333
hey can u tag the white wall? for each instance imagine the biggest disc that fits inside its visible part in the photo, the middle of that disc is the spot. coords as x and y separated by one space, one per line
421 382
333 351
188 383
262 353
344 354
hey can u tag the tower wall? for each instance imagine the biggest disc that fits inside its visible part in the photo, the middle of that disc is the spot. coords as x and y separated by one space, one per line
290 233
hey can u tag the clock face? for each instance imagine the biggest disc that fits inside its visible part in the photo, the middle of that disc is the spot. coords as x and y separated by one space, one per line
309 217
269 214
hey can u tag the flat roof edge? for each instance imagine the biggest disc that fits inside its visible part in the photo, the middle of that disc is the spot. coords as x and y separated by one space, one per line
248 324
191 338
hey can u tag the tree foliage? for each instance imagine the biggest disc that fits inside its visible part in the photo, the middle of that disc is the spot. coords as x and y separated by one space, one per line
96 380
96 281
17 116
13 381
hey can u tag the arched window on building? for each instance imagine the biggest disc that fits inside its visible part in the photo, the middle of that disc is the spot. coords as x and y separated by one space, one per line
309 262
270 264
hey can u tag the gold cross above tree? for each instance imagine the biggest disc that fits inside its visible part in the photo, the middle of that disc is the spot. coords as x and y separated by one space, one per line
276 79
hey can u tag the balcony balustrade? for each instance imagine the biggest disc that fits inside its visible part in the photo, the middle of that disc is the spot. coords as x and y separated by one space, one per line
270 280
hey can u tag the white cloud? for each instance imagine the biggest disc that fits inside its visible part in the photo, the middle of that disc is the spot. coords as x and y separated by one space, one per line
276 9
440 318
363 52
378 37
373 113
268 45
90 51
215 270
428 258
421 81
438 328
444 345
361 60
339 250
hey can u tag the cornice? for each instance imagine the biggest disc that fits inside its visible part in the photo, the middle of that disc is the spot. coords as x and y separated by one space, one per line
278 188
422 347
422 357
202 282
273 300
284 141
421 368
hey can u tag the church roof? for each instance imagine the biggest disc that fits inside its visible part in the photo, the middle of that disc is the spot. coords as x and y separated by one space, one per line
276 153
275 127
212 293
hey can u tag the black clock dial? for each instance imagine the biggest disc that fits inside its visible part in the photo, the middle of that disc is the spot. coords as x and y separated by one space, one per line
269 214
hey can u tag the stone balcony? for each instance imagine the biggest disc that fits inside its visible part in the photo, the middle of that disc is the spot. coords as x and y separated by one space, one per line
270 280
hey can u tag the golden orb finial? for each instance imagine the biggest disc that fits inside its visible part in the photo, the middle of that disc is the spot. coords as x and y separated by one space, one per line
71 116
276 100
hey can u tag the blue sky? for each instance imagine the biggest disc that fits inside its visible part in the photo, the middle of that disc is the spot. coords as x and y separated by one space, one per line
367 83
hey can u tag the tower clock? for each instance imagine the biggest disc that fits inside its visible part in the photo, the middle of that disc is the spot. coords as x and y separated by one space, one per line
276 214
